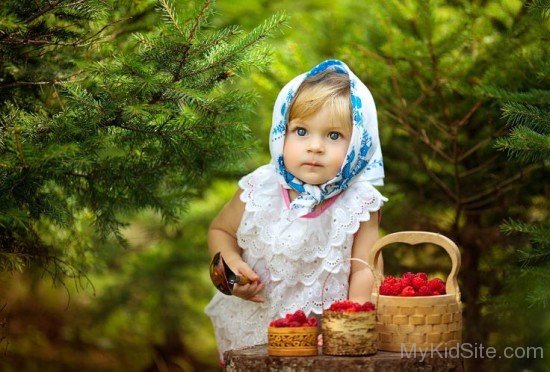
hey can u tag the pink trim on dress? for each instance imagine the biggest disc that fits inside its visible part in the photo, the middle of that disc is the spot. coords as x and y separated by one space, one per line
317 211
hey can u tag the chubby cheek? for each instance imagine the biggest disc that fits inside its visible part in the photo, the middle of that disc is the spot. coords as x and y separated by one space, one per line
340 154
290 153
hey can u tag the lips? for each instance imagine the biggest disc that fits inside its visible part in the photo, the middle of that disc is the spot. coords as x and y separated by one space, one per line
313 164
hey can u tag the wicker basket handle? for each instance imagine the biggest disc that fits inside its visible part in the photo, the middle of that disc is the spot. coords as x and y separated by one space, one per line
414 238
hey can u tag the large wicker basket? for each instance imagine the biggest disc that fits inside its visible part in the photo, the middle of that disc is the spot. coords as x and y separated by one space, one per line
425 322
292 341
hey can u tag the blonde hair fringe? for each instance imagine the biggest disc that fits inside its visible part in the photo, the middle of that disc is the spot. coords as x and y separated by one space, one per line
328 89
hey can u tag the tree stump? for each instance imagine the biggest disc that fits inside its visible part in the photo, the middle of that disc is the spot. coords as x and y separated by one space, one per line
256 359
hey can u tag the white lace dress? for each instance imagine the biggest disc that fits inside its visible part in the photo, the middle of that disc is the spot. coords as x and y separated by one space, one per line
293 259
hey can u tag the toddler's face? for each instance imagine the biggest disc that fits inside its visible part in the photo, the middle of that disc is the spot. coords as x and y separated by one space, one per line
315 148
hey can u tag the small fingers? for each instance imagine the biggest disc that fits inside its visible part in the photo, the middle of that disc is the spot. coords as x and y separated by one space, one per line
249 291
245 270
256 298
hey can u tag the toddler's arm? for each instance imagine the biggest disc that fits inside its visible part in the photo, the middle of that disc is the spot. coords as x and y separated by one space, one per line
361 278
222 237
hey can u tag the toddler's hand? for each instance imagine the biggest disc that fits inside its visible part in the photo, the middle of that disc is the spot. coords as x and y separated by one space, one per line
250 290
320 339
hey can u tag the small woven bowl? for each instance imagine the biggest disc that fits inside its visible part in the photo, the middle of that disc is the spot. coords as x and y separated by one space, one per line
292 341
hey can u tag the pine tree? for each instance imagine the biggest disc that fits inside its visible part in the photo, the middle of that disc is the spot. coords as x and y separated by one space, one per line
90 131
527 113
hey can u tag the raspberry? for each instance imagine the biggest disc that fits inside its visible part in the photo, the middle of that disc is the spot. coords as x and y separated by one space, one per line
385 289
350 306
424 291
397 287
437 285
408 291
367 306
389 279
421 275
418 282
336 306
300 317
280 322
408 275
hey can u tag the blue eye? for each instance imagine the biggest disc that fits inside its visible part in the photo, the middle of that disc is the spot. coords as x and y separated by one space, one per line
301 132
334 135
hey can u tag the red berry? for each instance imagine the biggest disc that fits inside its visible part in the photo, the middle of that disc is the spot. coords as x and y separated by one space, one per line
397 287
421 275
385 289
424 291
408 291
312 322
437 285
418 282
367 306
282 322
406 281
299 316
408 275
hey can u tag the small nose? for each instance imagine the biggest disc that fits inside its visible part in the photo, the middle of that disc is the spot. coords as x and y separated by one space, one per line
315 145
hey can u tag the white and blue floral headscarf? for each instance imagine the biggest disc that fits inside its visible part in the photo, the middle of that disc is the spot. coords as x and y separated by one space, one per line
363 161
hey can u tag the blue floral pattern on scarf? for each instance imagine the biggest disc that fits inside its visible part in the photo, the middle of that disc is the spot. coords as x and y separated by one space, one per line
363 160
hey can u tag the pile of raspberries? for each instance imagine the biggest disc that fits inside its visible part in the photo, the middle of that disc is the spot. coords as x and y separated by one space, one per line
298 319
350 306
411 284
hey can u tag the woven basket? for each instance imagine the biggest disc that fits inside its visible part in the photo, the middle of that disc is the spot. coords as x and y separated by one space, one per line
292 341
349 333
425 322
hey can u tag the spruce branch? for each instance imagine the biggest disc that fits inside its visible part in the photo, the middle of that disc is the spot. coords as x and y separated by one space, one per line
200 17
528 115
51 6
258 34
526 145
539 231
169 15
540 7
532 96
536 256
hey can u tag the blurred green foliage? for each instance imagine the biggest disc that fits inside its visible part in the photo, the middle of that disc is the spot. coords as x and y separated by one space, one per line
428 65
